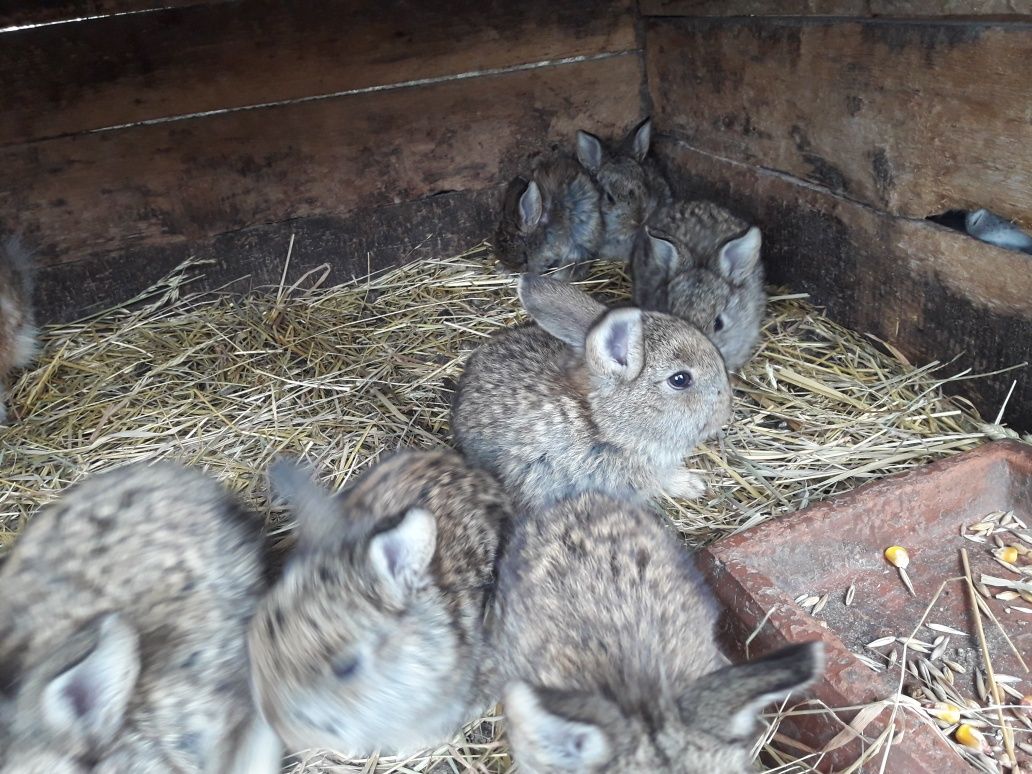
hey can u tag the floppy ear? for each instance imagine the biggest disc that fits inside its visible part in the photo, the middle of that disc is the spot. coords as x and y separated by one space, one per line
737 259
589 151
401 555
89 699
615 346
639 138
559 308
529 208
662 252
545 741
316 510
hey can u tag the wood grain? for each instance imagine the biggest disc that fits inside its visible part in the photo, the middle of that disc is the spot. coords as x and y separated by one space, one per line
1004 9
24 12
914 118
71 78
934 293
187 180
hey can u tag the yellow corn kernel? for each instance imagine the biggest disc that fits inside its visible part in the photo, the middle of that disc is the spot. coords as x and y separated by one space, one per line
897 556
970 737
1008 554
948 713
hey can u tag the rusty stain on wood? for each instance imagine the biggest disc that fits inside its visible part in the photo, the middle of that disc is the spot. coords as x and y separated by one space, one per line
913 118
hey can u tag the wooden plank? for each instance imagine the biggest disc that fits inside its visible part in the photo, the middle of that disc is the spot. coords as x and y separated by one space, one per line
912 118
26 12
365 241
186 180
184 61
932 292
1004 9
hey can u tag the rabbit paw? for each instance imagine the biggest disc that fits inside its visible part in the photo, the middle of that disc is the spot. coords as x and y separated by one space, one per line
685 484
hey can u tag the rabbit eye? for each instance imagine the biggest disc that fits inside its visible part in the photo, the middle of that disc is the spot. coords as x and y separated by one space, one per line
682 380
718 324
343 668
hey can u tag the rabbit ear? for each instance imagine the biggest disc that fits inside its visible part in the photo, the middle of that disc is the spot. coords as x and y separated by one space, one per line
401 555
616 345
559 308
530 208
639 139
89 699
589 151
737 693
316 510
547 741
737 259
663 252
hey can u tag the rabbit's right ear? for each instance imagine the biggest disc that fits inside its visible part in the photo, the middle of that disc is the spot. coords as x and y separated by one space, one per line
559 308
662 252
547 741
316 510
530 208
89 699
615 347
589 151
401 555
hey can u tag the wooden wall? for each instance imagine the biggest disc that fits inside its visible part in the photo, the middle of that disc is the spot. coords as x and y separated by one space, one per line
375 130
839 133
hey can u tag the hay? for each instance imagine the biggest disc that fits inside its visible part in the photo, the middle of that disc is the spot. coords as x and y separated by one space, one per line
339 375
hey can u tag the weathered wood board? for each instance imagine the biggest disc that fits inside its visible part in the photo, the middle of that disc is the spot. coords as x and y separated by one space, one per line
886 8
912 118
934 293
26 12
174 182
119 70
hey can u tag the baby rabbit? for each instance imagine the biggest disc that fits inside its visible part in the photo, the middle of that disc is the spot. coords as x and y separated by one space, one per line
550 221
123 631
630 184
991 228
374 636
699 262
605 645
18 332
589 398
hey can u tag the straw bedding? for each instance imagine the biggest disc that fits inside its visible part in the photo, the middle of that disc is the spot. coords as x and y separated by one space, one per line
342 374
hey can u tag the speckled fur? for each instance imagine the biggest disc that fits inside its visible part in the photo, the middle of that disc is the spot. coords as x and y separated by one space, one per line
530 409
18 334
605 642
631 187
180 563
696 288
569 233
416 676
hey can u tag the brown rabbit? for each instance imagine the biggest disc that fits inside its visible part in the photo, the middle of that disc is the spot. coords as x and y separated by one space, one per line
18 334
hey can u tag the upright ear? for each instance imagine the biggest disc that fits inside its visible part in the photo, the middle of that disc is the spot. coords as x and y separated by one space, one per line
89 699
545 741
589 151
318 515
401 555
529 208
559 308
662 252
639 139
737 259
739 692
615 347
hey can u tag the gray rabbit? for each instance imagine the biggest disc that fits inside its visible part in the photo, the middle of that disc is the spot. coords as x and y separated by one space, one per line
631 186
123 631
699 262
18 334
605 645
989 227
589 398
551 221
373 638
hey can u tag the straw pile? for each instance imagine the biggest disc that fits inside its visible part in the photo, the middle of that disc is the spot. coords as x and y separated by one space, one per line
339 375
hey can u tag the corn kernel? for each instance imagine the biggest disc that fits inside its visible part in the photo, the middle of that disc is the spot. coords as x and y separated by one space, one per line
897 556
1008 554
970 737
948 713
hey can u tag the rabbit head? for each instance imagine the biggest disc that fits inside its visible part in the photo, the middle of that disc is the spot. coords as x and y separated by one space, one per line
550 222
708 727
18 333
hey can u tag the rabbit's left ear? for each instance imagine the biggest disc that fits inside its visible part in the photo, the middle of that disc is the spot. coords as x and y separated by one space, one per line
639 139
737 259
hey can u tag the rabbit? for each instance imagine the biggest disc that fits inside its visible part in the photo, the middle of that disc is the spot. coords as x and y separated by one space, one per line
631 186
606 656
589 398
697 261
18 333
989 227
551 221
123 630
374 636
